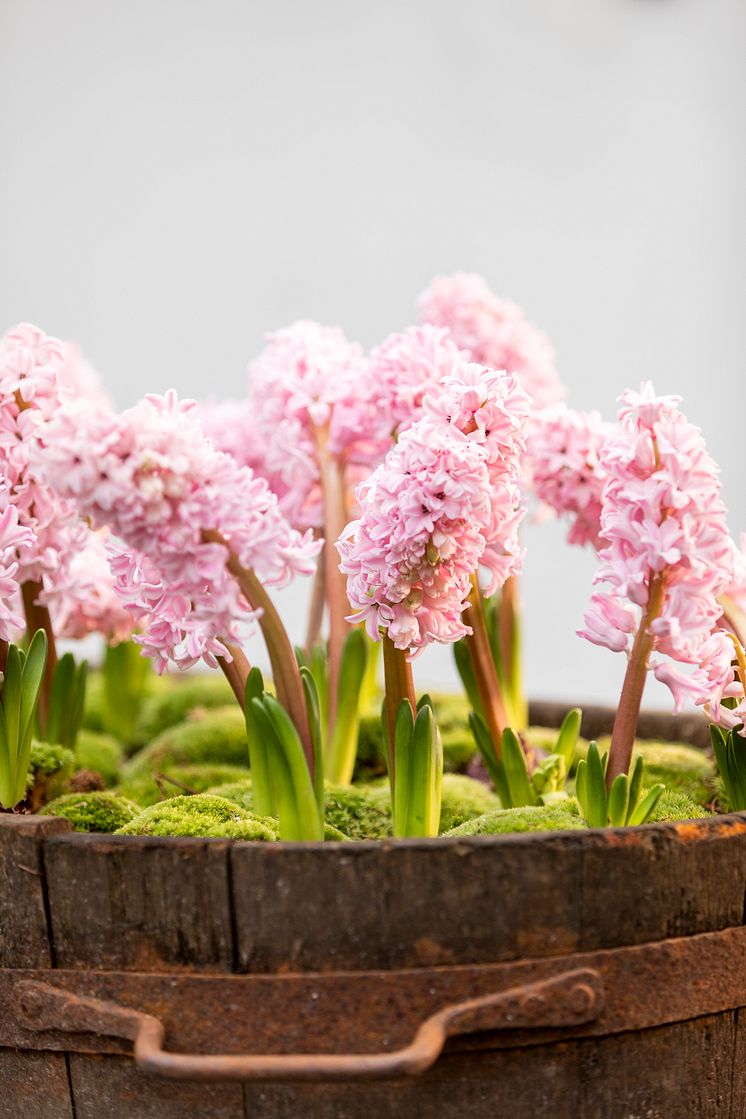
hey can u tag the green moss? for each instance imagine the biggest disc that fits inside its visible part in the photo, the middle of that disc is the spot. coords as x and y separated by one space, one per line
240 791
464 799
360 812
201 815
100 812
216 737
174 780
99 752
675 765
48 770
177 697
675 804
507 820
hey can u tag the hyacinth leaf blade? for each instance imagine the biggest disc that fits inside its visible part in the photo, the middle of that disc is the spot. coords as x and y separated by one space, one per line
581 785
618 799
487 754
342 749
261 777
465 669
426 774
286 808
635 785
403 730
314 719
125 673
730 755
24 677
645 808
291 782
597 816
516 770
307 808
66 702
567 739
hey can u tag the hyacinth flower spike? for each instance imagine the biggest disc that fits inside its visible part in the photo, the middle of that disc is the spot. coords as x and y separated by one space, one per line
666 559
195 538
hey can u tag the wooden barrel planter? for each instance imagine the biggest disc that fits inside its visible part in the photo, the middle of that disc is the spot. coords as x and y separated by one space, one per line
587 975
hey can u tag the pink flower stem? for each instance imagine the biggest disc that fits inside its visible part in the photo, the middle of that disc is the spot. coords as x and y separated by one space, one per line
236 671
285 672
335 519
37 617
318 603
399 685
485 673
628 711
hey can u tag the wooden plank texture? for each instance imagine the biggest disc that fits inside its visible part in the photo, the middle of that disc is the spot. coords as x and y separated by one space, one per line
32 1085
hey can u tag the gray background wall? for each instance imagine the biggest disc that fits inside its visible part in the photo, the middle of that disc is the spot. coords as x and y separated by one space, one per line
178 177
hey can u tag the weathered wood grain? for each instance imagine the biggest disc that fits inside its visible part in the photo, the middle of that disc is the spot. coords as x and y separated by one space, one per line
126 902
476 900
32 1085
145 905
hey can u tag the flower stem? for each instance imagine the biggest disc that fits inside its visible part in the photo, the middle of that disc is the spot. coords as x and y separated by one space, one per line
37 617
318 602
335 518
285 671
628 711
236 671
399 685
485 673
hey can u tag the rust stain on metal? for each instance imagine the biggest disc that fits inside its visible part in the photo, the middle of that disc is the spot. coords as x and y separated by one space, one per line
571 999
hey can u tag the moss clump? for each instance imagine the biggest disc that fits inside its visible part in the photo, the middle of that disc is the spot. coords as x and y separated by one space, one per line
177 697
464 799
201 815
358 811
504 821
215 737
174 780
49 767
101 811
675 765
675 804
240 791
100 753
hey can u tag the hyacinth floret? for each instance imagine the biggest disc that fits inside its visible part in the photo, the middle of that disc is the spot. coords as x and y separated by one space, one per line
494 331
153 478
564 448
491 410
668 554
425 512
307 379
39 374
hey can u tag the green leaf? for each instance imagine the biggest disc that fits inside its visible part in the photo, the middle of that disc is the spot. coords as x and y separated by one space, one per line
31 681
516 770
305 797
426 771
12 692
403 730
314 719
597 803
286 808
465 669
343 746
567 739
581 786
261 776
634 789
645 808
617 806
487 754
